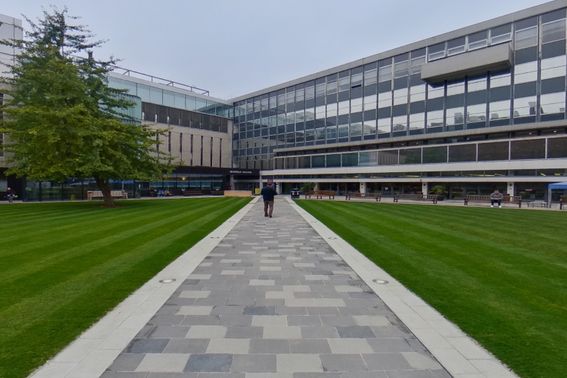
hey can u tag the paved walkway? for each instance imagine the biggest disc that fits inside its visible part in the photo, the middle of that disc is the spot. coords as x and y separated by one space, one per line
274 300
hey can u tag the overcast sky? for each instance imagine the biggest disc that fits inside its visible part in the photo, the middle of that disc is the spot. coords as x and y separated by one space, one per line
232 47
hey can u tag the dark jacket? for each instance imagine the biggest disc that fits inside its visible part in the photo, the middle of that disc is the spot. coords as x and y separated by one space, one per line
268 193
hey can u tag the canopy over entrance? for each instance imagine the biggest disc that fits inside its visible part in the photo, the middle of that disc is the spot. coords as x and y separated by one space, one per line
555 186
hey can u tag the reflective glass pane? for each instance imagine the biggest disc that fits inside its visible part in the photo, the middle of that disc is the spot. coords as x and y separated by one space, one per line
389 157
528 149
553 103
463 152
434 155
493 151
410 156
333 160
557 147
526 38
350 160
368 158
553 31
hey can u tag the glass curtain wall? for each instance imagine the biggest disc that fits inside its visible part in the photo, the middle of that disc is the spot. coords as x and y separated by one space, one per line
369 101
387 98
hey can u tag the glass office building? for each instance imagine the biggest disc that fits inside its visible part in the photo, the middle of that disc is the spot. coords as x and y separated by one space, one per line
473 109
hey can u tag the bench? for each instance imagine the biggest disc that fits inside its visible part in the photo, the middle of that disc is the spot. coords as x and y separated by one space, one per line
319 194
350 195
484 198
92 194
416 197
541 204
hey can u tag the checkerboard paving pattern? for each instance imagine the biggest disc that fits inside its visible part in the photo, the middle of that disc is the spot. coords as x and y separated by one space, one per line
273 300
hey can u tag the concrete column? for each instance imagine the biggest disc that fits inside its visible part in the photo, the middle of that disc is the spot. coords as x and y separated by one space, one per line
363 188
510 189
424 189
316 188
278 188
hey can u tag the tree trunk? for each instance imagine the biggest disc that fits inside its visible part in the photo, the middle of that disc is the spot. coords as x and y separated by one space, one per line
104 187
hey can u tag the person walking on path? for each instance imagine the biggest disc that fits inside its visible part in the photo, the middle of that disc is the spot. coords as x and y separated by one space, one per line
496 198
268 192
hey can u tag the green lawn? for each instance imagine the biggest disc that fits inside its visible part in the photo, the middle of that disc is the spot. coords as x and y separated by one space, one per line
500 274
64 265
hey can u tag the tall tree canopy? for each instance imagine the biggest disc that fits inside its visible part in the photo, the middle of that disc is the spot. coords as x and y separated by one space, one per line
62 120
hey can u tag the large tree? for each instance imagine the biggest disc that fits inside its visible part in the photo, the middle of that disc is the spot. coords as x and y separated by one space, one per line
62 120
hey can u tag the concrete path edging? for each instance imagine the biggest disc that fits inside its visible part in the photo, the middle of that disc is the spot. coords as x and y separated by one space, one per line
461 355
94 350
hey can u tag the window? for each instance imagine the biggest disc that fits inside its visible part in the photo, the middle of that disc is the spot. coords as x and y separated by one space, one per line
478 40
344 81
436 51
385 70
368 158
553 31
553 103
417 121
557 148
553 67
333 160
350 160
370 74
331 84
417 60
401 66
528 149
493 151
384 125
356 105
463 152
410 156
526 38
500 34
456 46
356 78
434 155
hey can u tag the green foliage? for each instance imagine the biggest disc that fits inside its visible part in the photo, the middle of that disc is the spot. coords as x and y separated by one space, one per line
62 120
499 275
64 265
307 187
438 189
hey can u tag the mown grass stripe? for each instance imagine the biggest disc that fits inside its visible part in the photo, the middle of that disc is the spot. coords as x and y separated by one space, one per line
103 234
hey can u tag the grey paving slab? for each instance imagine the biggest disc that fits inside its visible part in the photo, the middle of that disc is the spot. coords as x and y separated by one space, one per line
274 300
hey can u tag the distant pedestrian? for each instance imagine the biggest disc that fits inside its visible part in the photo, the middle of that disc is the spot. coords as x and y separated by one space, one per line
10 195
268 192
496 198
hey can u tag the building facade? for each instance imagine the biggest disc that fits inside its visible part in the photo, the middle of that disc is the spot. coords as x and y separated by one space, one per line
465 112
471 110
10 28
